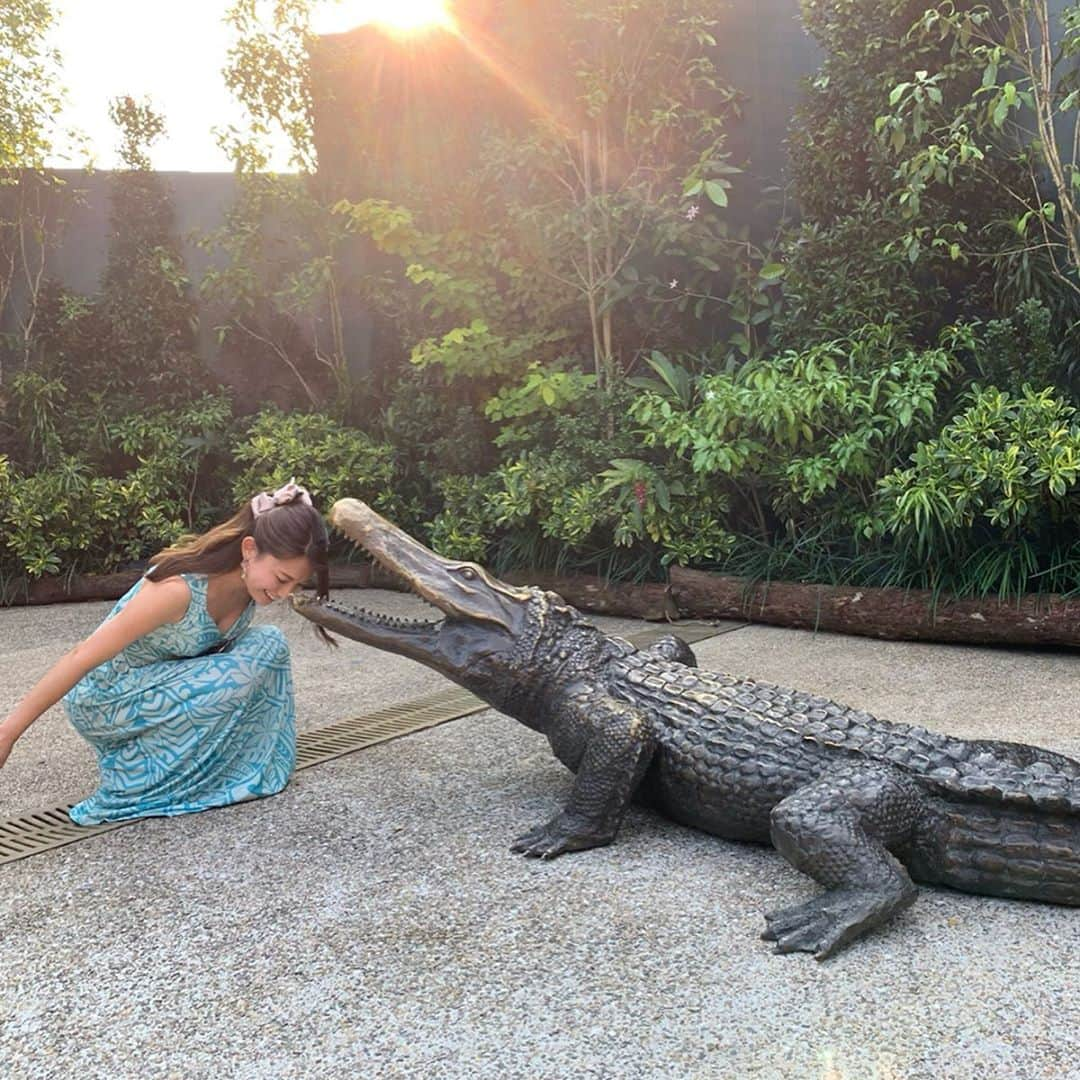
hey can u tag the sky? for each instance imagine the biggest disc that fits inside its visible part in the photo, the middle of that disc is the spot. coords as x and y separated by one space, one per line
172 53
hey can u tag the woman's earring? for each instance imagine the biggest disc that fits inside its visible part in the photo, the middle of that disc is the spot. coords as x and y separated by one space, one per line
243 568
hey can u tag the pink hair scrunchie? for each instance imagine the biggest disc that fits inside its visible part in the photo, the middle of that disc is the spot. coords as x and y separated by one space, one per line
287 493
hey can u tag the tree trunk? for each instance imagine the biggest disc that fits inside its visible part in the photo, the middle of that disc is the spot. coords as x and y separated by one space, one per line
600 597
895 614
60 590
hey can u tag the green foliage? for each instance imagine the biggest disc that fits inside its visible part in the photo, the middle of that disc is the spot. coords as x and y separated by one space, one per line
463 529
995 105
467 309
333 461
31 97
593 231
575 497
147 313
139 125
802 438
435 433
171 467
836 154
662 513
1005 461
840 277
878 98
579 366
543 392
268 71
54 519
1010 353
39 412
72 515
476 351
277 276
629 197
33 199
281 275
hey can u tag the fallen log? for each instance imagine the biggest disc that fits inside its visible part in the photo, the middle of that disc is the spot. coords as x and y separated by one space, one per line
891 614
74 587
894 614
599 597
86 587
592 594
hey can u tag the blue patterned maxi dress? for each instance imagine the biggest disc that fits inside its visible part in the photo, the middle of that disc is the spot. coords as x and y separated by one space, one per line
186 718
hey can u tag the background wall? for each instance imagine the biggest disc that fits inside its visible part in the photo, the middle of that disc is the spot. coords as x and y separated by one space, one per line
763 50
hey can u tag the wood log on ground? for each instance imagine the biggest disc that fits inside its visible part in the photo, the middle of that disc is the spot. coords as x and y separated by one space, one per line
76 587
895 614
81 588
599 597
892 614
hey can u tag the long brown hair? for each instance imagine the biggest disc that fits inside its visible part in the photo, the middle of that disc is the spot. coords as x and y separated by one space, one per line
286 531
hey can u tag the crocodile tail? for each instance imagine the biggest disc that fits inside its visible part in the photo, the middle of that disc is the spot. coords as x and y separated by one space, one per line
987 778
1002 851
1023 755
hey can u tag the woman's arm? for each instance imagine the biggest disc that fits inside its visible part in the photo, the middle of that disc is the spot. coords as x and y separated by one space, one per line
156 603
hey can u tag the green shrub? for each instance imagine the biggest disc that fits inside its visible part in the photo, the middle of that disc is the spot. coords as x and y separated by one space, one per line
801 439
331 460
58 519
579 490
1007 461
839 278
74 515
464 528
1013 352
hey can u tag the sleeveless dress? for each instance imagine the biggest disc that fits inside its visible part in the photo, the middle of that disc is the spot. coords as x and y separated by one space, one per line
187 718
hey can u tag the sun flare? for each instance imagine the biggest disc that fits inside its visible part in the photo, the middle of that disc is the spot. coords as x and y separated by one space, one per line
400 16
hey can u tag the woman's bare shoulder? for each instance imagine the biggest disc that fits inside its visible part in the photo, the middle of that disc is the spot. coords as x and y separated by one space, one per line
169 597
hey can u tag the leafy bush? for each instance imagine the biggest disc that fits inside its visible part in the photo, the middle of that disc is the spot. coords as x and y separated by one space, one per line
584 493
72 516
839 277
331 460
989 505
57 519
1007 461
801 439
1010 353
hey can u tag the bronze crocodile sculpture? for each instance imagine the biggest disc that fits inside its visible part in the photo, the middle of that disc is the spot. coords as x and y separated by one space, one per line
861 805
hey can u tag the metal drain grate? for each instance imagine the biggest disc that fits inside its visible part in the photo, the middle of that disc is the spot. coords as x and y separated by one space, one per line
29 835
323 744
43 831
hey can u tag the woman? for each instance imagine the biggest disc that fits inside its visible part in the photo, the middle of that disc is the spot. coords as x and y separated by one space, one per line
186 706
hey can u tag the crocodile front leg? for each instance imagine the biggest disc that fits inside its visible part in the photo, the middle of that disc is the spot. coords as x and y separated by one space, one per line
839 830
618 746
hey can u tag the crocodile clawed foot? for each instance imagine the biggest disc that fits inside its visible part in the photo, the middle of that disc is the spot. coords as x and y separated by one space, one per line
561 834
830 921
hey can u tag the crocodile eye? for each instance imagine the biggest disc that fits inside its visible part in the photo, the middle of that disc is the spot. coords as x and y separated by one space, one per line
468 573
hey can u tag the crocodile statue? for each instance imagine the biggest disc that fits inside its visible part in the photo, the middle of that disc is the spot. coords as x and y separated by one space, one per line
861 805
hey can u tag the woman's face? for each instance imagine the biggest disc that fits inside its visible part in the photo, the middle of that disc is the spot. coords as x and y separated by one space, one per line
269 578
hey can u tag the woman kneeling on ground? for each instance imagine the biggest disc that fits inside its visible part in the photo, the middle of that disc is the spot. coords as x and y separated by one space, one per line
186 706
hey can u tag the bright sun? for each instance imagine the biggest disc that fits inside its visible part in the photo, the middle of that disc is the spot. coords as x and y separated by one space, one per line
403 16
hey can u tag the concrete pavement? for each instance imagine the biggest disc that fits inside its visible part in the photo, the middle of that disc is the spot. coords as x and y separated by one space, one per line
371 922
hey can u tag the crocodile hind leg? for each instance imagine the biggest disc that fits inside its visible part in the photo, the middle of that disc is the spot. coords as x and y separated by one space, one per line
610 765
839 829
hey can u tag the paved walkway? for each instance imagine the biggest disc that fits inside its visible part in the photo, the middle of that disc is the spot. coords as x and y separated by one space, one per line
370 921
